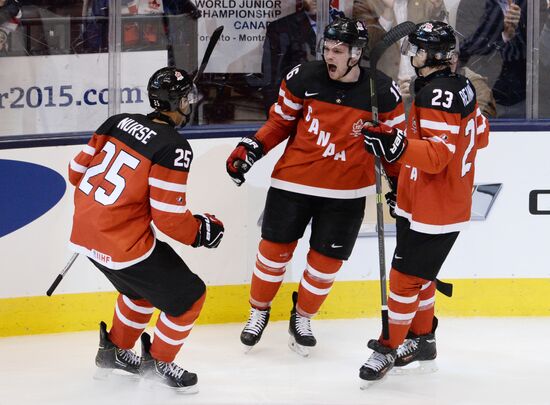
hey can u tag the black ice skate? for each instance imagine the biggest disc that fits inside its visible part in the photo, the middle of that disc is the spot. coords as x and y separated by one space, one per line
377 366
165 374
252 332
112 360
416 348
419 351
299 328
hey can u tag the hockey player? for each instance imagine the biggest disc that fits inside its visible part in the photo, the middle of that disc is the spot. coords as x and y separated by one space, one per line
133 172
445 129
323 175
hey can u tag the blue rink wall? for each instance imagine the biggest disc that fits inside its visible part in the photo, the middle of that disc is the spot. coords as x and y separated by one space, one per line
498 266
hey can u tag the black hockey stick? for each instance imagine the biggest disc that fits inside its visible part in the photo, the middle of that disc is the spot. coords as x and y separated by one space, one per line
61 275
391 37
209 48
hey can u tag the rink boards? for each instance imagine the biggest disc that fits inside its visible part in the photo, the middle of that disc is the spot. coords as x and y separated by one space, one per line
498 265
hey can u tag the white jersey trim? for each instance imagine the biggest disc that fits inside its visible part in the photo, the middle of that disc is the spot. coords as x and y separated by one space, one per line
178 209
88 150
109 263
322 192
78 168
166 185
440 126
429 228
397 120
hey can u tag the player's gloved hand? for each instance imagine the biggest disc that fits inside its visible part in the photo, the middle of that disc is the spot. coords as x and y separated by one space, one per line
247 152
210 231
382 140
391 196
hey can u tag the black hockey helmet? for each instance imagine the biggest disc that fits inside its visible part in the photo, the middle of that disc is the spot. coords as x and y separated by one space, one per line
348 31
437 38
168 86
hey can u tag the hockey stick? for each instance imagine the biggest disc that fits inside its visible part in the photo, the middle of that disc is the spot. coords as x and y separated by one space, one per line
209 48
391 37
61 275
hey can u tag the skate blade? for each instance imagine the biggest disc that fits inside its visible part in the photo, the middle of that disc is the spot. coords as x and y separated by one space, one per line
152 385
416 367
366 384
295 347
103 374
247 348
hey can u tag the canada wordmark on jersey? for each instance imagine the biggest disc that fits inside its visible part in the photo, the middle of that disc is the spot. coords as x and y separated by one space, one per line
325 154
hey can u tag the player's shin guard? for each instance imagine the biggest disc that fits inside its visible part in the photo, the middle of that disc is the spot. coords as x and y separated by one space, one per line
269 272
314 287
171 332
129 321
316 282
403 302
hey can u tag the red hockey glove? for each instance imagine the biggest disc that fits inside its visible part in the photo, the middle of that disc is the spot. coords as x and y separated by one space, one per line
382 140
210 231
247 152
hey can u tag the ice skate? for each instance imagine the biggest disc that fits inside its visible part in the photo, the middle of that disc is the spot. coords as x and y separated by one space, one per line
377 366
112 360
416 355
301 337
252 332
168 375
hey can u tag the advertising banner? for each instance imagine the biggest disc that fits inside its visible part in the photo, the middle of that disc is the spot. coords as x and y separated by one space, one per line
69 93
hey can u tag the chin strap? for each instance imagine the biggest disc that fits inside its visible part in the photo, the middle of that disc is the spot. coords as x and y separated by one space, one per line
186 116
157 115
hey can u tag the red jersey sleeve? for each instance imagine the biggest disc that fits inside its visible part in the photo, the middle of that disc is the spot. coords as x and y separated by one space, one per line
167 194
438 131
284 114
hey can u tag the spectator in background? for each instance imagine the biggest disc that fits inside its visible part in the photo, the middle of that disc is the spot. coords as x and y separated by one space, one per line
96 30
502 29
289 41
10 14
381 15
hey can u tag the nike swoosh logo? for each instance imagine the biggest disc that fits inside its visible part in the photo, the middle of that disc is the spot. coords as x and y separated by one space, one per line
397 257
310 94
335 246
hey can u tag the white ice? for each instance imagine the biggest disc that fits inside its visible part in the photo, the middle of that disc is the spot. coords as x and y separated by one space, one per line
481 361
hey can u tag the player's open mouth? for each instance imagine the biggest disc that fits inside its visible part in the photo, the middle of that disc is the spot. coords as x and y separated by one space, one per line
332 68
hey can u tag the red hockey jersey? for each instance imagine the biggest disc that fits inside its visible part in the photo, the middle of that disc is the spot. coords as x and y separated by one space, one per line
131 172
325 155
445 129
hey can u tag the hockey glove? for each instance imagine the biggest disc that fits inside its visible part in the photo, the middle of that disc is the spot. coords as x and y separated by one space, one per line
382 140
247 152
391 196
210 231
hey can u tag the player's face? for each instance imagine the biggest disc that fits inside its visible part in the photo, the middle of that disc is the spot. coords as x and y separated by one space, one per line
336 56
185 108
419 60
